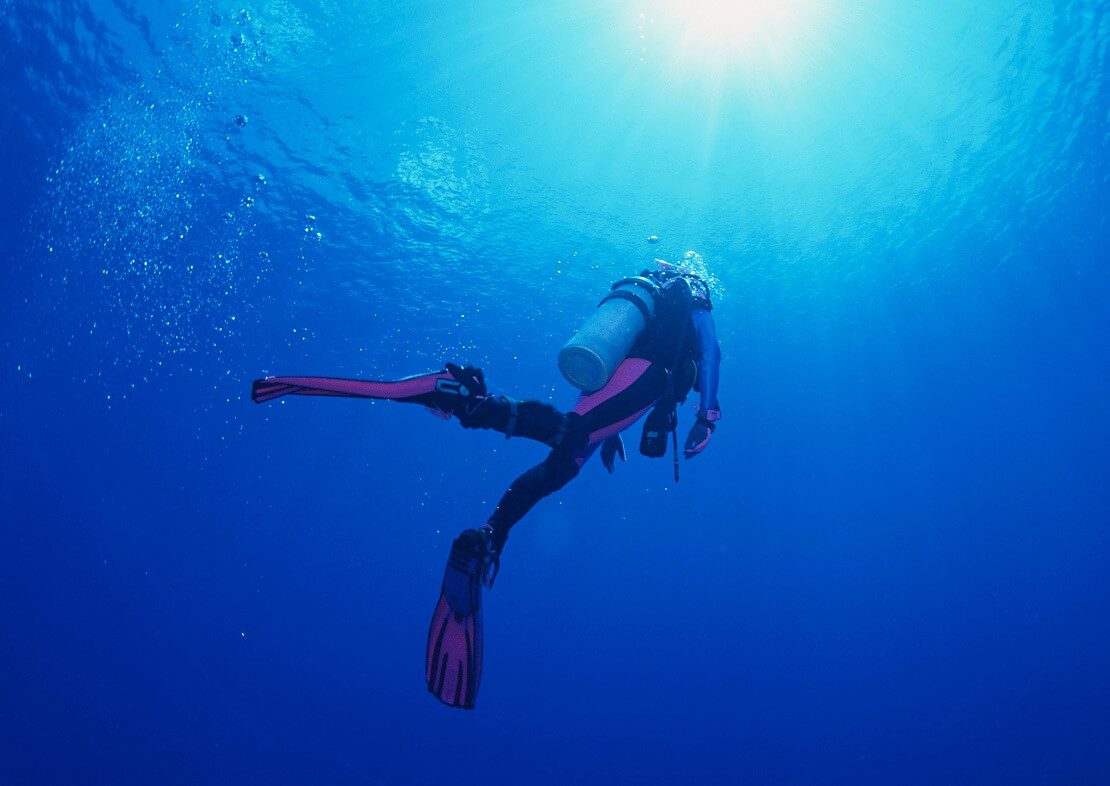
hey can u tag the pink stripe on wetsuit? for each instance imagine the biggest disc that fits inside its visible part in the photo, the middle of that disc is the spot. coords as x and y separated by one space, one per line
633 389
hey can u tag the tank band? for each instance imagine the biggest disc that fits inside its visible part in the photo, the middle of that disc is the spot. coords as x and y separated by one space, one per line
622 294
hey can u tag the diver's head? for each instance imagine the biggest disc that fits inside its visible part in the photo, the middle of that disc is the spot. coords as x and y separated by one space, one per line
693 269
694 264
690 264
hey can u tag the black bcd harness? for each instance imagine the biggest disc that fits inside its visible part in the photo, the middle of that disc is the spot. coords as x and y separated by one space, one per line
676 301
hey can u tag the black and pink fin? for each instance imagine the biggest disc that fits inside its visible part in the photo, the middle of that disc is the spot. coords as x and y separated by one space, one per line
453 664
432 390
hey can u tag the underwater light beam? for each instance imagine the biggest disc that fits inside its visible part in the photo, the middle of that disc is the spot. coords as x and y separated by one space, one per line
754 35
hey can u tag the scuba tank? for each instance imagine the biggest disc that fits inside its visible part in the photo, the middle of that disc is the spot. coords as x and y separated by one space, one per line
591 356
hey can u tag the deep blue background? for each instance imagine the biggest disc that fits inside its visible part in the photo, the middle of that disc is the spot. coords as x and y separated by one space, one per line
890 566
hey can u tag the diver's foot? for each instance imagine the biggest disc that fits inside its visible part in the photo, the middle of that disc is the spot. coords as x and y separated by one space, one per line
471 380
473 555
491 558
458 393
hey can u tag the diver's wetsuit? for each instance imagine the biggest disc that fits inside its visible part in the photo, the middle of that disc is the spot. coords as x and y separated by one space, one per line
639 381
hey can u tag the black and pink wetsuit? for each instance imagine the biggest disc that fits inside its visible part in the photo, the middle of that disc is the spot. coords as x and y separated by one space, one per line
680 337
638 383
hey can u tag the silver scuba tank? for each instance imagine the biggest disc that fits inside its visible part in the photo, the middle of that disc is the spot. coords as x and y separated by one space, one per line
591 356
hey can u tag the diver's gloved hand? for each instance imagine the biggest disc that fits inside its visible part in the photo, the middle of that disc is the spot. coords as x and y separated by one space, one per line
701 431
610 449
471 378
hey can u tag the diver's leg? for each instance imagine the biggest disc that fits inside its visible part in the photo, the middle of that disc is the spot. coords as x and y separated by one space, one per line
636 385
531 419
557 470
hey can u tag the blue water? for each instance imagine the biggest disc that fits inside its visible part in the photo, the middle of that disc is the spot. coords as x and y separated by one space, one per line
889 566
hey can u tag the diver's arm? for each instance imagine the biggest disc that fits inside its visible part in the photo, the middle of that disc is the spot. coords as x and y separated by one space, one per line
709 366
709 363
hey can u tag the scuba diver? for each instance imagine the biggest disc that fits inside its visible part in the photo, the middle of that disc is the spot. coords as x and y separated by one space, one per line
651 340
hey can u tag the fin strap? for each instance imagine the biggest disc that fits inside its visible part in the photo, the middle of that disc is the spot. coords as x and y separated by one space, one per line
490 570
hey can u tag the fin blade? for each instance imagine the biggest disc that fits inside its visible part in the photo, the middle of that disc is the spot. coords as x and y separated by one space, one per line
419 389
453 665
453 662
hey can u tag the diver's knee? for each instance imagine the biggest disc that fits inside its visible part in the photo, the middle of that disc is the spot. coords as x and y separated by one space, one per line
576 436
560 468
